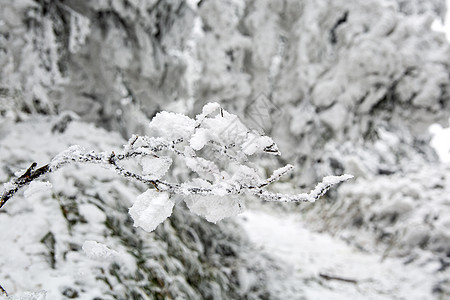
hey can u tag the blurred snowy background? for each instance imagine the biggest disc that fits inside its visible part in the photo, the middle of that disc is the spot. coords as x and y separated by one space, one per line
344 86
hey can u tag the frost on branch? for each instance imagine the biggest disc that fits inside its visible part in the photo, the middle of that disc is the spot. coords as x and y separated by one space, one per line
215 146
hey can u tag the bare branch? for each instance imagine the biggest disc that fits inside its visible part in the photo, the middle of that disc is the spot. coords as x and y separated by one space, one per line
25 179
333 277
3 292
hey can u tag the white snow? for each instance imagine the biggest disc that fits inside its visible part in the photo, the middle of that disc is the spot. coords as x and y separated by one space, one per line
225 129
256 143
209 108
199 139
304 255
40 295
172 125
214 208
151 209
441 141
102 253
320 189
98 251
92 213
37 188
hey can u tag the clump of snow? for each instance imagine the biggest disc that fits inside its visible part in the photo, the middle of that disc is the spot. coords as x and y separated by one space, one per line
225 129
172 125
441 141
151 209
214 208
199 139
155 167
210 108
98 251
244 175
332 180
257 143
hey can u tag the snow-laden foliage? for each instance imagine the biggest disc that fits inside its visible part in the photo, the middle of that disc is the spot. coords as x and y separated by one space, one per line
347 87
97 58
328 71
406 216
215 146
77 238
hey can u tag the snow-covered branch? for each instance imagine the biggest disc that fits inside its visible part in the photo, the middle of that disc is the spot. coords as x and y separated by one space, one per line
12 187
215 146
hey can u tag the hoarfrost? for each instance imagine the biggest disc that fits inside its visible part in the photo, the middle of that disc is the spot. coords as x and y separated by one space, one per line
208 109
68 155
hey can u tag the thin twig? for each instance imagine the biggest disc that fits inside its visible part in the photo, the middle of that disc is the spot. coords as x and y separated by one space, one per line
333 277
3 292
30 174
111 160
